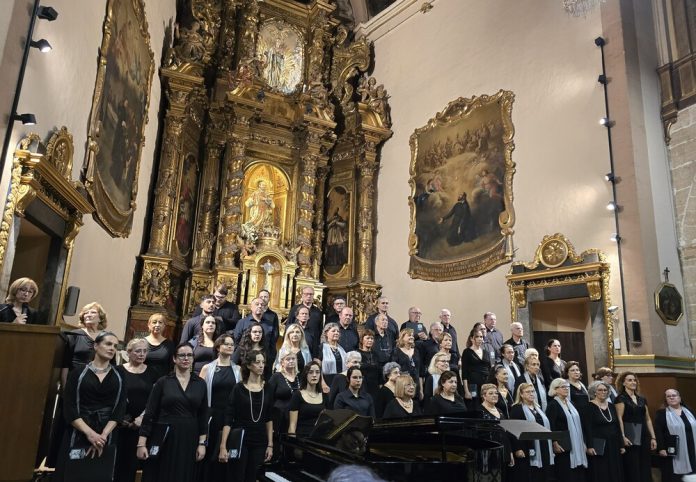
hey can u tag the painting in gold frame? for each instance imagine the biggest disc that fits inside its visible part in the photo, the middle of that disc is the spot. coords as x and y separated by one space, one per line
461 189
280 50
119 115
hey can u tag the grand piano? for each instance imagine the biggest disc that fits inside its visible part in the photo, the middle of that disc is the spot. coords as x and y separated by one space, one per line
424 448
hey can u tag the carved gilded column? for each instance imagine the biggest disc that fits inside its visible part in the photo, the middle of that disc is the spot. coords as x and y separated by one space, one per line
249 32
227 35
322 172
306 213
367 167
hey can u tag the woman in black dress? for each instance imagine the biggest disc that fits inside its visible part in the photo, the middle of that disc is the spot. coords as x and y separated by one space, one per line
16 308
476 363
385 394
606 375
160 350
204 343
552 365
446 400
138 379
80 342
636 426
675 420
578 392
340 380
489 408
220 376
409 360
371 367
600 426
353 398
403 405
249 408
94 403
308 402
532 375
178 406
533 459
570 460
500 380
283 384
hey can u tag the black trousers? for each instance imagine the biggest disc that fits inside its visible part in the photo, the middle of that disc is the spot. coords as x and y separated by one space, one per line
247 466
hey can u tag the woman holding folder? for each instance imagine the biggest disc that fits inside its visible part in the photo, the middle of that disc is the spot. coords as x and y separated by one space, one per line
602 434
675 427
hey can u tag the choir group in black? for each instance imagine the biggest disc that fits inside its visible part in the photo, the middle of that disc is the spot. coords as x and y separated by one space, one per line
212 408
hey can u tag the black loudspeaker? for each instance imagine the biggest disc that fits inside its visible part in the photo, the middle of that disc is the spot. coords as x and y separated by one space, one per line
71 298
635 332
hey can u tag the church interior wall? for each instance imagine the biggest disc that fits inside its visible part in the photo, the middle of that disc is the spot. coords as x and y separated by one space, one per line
561 152
58 89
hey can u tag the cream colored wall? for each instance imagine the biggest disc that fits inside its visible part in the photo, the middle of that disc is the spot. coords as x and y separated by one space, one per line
58 88
550 62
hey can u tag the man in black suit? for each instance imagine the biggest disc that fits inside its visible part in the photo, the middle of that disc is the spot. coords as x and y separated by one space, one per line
382 308
316 317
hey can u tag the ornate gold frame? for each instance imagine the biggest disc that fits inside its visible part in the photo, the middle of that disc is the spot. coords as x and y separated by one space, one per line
561 266
502 251
658 308
116 221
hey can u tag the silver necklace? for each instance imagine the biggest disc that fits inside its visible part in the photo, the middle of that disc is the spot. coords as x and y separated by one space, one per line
601 410
251 406
97 370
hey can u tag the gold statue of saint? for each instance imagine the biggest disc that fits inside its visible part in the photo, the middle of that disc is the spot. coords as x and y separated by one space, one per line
261 210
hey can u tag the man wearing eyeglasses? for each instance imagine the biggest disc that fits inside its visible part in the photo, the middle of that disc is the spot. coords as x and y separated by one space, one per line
227 310
414 323
334 313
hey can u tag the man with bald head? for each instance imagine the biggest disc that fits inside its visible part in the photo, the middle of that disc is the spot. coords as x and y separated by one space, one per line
316 317
414 323
447 327
349 339
518 343
382 308
432 345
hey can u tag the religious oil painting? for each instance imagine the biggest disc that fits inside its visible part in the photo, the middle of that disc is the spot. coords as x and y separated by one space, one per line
669 303
281 56
337 231
119 114
461 189
187 204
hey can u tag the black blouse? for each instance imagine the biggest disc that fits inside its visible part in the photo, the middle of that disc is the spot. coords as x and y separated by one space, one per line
79 350
282 390
371 370
202 355
307 413
243 405
362 404
138 387
474 368
169 403
159 357
395 410
438 405
384 396
7 314
634 412
94 396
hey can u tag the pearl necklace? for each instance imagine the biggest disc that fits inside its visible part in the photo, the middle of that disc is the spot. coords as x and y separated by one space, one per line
251 406
601 410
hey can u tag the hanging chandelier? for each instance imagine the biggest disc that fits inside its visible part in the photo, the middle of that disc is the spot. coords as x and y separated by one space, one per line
580 8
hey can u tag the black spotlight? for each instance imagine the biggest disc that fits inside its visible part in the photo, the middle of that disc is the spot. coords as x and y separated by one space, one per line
42 45
599 42
47 13
26 119
602 79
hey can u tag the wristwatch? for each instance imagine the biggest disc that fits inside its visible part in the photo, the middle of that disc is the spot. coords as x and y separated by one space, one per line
203 443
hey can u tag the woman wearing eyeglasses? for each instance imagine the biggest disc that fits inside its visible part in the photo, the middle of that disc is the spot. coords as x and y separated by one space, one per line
676 420
220 375
439 364
138 379
570 456
600 426
533 459
16 308
178 407
403 405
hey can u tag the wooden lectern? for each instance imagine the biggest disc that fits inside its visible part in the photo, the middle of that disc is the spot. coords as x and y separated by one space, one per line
29 369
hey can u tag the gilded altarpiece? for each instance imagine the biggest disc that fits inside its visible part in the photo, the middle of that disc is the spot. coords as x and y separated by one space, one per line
271 116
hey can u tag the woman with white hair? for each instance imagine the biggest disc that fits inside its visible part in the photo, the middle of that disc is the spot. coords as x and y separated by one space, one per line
340 381
675 430
533 459
570 456
600 426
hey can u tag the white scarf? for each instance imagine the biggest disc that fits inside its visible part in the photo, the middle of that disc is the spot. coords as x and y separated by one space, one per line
675 425
328 361
578 457
512 375
536 460
541 390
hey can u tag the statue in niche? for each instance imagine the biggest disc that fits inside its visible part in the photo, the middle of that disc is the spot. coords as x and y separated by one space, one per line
261 208
268 269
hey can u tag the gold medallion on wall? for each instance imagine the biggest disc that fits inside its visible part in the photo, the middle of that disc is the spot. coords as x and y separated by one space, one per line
461 189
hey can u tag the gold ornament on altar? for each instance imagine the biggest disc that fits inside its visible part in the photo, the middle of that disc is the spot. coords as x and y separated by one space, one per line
280 52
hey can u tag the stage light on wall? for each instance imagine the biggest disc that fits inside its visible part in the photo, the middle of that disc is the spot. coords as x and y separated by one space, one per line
26 119
599 42
606 122
613 309
42 45
609 177
612 206
602 79
615 238
47 13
